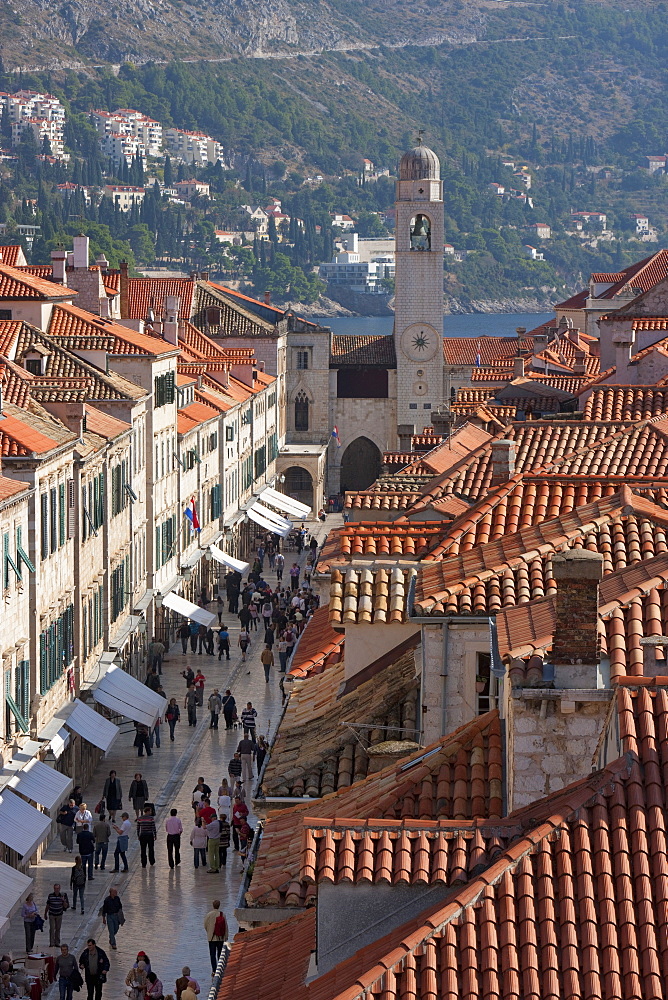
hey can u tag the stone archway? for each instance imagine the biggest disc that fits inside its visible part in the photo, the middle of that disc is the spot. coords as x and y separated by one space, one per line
299 484
360 465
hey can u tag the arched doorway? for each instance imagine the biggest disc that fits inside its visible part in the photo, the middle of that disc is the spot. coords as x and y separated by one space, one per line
360 465
299 485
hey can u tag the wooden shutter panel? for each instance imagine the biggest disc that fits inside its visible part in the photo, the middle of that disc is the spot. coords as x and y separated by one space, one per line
71 509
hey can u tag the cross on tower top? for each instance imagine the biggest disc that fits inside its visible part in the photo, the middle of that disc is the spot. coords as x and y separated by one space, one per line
420 134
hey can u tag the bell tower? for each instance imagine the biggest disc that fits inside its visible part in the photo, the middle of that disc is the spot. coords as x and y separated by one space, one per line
418 301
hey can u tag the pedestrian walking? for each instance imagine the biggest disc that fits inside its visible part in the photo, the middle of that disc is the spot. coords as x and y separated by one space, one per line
172 716
122 842
267 659
138 794
223 643
283 653
189 676
182 983
136 980
191 702
278 566
200 791
113 917
184 635
65 821
101 835
174 828
29 915
147 835
248 717
239 814
86 848
220 608
261 751
245 750
235 767
66 972
224 837
244 642
152 680
83 816
215 704
213 844
294 577
154 988
77 883
215 926
95 965
210 637
113 795
224 799
156 651
201 638
229 709
154 734
198 842
194 632
245 838
142 740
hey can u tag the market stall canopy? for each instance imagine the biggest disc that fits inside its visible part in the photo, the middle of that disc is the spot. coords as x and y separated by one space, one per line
285 503
14 885
222 557
271 515
92 726
127 696
41 784
22 827
188 609
267 525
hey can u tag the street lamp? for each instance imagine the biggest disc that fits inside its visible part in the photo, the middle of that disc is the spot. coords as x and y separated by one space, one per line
158 599
187 573
142 627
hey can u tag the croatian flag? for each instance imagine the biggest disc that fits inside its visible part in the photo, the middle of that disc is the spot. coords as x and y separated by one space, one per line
335 435
191 514
478 359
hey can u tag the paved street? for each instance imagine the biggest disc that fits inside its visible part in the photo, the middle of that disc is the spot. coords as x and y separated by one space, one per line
164 908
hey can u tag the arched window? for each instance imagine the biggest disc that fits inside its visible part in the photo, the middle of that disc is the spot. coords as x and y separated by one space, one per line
420 233
301 411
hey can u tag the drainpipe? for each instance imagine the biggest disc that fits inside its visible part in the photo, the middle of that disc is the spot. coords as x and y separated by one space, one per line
444 675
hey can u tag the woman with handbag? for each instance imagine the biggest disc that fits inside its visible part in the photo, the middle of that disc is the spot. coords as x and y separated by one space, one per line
172 715
29 913
138 794
154 990
136 981
78 883
113 795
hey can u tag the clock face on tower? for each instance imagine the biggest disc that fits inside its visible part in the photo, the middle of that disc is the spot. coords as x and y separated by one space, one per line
420 342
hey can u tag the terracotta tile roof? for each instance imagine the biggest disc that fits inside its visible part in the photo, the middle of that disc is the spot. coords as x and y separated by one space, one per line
112 282
214 399
319 646
248 300
425 441
316 751
369 351
9 331
104 424
506 412
246 970
643 275
182 379
571 384
24 434
369 596
451 451
77 329
626 402
382 501
16 383
16 284
150 293
239 316
396 460
378 541
459 777
195 344
12 487
463 350
194 414
10 255
37 270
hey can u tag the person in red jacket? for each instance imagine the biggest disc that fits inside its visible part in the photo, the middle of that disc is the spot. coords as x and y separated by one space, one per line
239 814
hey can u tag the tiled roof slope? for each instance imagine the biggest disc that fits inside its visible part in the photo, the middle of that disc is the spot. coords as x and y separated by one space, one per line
23 434
369 596
643 275
626 402
10 254
449 453
80 330
463 350
238 318
394 500
367 351
16 284
378 540
459 777
315 751
319 646
150 293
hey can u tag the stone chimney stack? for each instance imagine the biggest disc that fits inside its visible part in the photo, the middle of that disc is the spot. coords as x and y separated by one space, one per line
58 264
575 647
503 461
623 344
170 324
518 366
81 247
649 645
580 366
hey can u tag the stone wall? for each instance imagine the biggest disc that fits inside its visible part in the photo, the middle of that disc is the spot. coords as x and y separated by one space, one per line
449 696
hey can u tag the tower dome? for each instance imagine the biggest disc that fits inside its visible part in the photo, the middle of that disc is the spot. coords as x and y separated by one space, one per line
420 164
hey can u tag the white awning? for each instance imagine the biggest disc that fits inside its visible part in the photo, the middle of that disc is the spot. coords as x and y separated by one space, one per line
121 636
188 609
22 827
267 525
59 742
127 696
92 726
283 502
271 515
144 601
41 784
222 557
14 885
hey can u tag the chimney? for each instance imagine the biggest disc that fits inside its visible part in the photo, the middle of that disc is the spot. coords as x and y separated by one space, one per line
124 290
81 247
575 648
225 378
518 367
58 262
623 342
267 298
580 366
170 324
503 461
649 645
390 752
105 307
102 262
204 275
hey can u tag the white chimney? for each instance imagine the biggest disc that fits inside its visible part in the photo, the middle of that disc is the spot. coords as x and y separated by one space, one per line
518 366
623 342
58 262
170 324
81 246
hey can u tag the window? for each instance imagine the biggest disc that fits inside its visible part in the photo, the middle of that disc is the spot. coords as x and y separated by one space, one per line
303 360
163 389
229 433
216 502
62 534
119 481
93 503
301 411
247 472
271 400
213 316
34 366
44 524
260 461
165 541
273 446
56 649
426 406
9 562
213 441
22 688
119 592
412 406
5 313
53 519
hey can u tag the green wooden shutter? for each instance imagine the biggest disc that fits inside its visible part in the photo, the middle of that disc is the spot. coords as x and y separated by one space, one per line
61 514
44 524
21 554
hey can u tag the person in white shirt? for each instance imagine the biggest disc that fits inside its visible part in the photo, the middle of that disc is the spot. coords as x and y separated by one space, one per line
122 842
83 816
224 806
174 828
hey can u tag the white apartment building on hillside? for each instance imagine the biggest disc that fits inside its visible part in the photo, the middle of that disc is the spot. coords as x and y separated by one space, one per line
192 147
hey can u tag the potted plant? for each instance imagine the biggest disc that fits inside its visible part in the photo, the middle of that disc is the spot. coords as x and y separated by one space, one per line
480 683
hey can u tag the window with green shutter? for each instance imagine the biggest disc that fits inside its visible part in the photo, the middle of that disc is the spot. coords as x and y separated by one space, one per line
22 688
21 554
53 519
62 533
44 524
8 562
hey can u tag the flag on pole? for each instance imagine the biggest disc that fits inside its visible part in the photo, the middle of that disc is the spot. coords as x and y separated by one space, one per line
335 435
478 358
191 514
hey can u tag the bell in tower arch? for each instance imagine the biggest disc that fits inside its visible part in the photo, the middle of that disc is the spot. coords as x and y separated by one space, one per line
421 233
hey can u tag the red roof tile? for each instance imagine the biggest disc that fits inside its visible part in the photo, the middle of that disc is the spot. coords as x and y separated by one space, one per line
10 255
16 284
319 646
464 350
77 329
150 293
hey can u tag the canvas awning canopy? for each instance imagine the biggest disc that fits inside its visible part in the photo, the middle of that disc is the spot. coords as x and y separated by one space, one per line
188 609
41 784
222 557
22 827
14 885
285 503
92 726
127 696
267 525
271 515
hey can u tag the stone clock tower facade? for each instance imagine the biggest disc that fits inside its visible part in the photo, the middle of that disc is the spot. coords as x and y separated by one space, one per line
418 316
